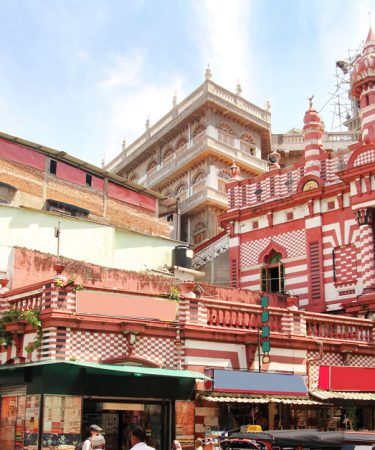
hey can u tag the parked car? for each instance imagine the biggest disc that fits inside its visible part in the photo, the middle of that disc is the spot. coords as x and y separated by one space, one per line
300 440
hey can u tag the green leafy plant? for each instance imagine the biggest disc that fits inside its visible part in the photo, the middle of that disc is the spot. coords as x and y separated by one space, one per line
31 316
174 294
59 282
69 284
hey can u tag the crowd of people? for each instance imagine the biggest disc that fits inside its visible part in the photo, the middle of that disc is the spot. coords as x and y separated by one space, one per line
96 441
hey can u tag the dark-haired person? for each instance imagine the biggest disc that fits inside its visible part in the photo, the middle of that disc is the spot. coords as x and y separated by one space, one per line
138 439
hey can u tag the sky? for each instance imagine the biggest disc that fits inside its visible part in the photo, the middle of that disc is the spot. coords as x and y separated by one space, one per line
81 76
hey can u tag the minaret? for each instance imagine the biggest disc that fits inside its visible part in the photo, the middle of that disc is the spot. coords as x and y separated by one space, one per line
363 88
312 135
363 91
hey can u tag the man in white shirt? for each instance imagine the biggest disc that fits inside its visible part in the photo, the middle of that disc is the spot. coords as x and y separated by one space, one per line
96 440
138 438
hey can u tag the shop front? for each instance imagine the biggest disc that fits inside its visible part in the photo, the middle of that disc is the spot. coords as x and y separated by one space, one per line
351 393
49 405
272 401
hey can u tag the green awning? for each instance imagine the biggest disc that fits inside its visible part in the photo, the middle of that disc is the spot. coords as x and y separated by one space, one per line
95 379
98 369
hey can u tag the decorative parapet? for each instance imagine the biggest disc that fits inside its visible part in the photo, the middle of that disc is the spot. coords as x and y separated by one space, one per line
183 155
214 313
207 91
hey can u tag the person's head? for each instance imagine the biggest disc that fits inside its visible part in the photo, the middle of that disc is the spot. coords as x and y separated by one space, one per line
198 442
209 444
176 445
137 435
95 429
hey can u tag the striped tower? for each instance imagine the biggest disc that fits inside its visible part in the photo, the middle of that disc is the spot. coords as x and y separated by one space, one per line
363 88
365 219
312 135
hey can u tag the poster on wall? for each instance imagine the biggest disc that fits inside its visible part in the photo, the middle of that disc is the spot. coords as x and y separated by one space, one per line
8 422
31 422
61 422
185 411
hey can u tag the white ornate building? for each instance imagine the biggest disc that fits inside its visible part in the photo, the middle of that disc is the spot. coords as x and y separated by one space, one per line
187 153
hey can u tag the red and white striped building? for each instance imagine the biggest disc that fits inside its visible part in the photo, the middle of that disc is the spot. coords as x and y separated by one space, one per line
307 230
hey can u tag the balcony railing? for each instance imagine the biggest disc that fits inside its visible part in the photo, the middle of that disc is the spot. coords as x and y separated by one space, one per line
241 318
294 141
227 313
344 328
33 300
204 194
184 155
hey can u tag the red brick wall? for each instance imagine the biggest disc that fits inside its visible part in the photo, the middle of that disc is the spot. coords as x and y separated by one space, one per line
24 168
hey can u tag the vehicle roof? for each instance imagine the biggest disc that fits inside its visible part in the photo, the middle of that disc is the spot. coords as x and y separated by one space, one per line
310 438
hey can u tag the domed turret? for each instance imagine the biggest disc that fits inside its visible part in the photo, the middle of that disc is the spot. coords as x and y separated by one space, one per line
364 66
363 88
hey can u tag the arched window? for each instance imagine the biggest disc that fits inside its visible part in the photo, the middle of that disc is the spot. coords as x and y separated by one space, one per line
181 142
247 143
225 133
199 232
198 130
169 152
200 176
151 165
223 178
273 273
181 188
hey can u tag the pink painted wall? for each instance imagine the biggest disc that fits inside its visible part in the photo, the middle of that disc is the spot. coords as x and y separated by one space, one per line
70 173
16 152
131 197
125 305
77 176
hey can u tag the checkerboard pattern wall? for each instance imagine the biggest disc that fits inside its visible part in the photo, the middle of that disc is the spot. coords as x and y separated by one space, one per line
346 264
158 350
367 254
335 359
294 243
94 346
365 158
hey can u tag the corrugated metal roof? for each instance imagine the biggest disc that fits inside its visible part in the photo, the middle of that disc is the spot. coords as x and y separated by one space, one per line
259 399
341 395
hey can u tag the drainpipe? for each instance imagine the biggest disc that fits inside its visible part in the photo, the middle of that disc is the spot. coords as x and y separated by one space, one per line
314 359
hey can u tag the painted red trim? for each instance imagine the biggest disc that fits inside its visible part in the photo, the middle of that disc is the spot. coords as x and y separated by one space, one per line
261 392
207 243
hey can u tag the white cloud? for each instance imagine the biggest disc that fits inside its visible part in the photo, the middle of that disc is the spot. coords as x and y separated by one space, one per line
223 39
127 71
130 97
341 31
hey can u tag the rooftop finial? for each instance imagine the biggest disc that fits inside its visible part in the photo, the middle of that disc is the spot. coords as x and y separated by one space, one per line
310 99
124 144
267 105
174 101
238 88
148 122
208 73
